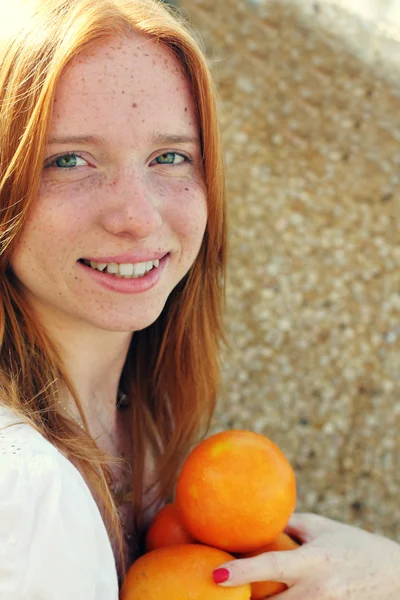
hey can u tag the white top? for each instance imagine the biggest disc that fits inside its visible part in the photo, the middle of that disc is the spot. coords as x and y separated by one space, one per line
53 541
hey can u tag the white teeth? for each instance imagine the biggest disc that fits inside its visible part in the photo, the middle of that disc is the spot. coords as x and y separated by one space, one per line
126 269
112 268
139 269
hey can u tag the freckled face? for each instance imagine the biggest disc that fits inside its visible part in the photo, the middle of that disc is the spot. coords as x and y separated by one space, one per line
133 192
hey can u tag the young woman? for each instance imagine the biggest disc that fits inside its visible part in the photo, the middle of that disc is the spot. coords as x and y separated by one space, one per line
112 256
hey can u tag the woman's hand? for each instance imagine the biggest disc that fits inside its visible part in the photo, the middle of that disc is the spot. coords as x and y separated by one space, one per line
335 562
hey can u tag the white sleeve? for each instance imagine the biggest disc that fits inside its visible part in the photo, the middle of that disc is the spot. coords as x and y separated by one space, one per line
53 543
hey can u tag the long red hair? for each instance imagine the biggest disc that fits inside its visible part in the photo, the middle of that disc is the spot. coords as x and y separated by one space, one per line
171 373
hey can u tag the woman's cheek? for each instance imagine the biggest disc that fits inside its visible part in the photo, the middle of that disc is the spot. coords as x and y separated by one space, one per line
190 208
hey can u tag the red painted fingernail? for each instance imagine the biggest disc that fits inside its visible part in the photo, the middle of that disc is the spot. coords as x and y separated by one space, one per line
221 575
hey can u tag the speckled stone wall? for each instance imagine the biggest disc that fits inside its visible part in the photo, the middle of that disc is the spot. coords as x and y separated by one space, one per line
311 128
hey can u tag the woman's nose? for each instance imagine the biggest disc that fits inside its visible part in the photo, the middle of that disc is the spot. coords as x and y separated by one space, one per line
132 208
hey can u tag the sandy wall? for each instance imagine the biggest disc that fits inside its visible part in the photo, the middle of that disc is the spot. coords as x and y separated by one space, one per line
311 128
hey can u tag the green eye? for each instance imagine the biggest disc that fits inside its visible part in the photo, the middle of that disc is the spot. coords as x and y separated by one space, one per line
170 158
66 161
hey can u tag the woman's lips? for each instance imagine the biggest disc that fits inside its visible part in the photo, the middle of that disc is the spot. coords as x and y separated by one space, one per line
127 285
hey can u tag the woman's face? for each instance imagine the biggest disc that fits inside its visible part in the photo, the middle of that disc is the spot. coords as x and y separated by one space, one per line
122 188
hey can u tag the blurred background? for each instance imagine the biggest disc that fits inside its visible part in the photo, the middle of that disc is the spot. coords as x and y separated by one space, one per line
310 114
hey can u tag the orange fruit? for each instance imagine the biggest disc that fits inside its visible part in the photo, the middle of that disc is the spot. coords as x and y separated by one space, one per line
166 529
180 573
236 491
265 589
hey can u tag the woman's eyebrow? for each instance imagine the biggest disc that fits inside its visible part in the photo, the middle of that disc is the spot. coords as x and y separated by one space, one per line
95 140
165 139
99 140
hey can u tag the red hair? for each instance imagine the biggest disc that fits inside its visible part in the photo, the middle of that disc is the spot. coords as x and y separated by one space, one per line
171 373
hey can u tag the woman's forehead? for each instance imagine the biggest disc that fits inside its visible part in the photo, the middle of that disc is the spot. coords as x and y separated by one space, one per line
141 50
135 78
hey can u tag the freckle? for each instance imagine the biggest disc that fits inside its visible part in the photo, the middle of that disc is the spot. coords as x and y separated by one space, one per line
187 189
123 91
185 108
143 120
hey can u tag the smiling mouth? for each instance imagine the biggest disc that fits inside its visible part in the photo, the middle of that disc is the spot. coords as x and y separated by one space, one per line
124 270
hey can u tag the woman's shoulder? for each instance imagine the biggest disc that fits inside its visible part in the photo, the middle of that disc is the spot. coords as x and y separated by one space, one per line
24 448
33 470
51 530
19 438
27 458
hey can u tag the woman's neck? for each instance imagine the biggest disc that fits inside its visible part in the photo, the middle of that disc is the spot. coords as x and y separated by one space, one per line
93 360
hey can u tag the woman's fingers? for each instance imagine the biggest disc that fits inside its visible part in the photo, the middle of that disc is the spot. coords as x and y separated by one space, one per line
284 566
336 561
289 567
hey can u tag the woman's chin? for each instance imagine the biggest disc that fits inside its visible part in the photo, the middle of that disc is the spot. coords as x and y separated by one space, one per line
126 324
